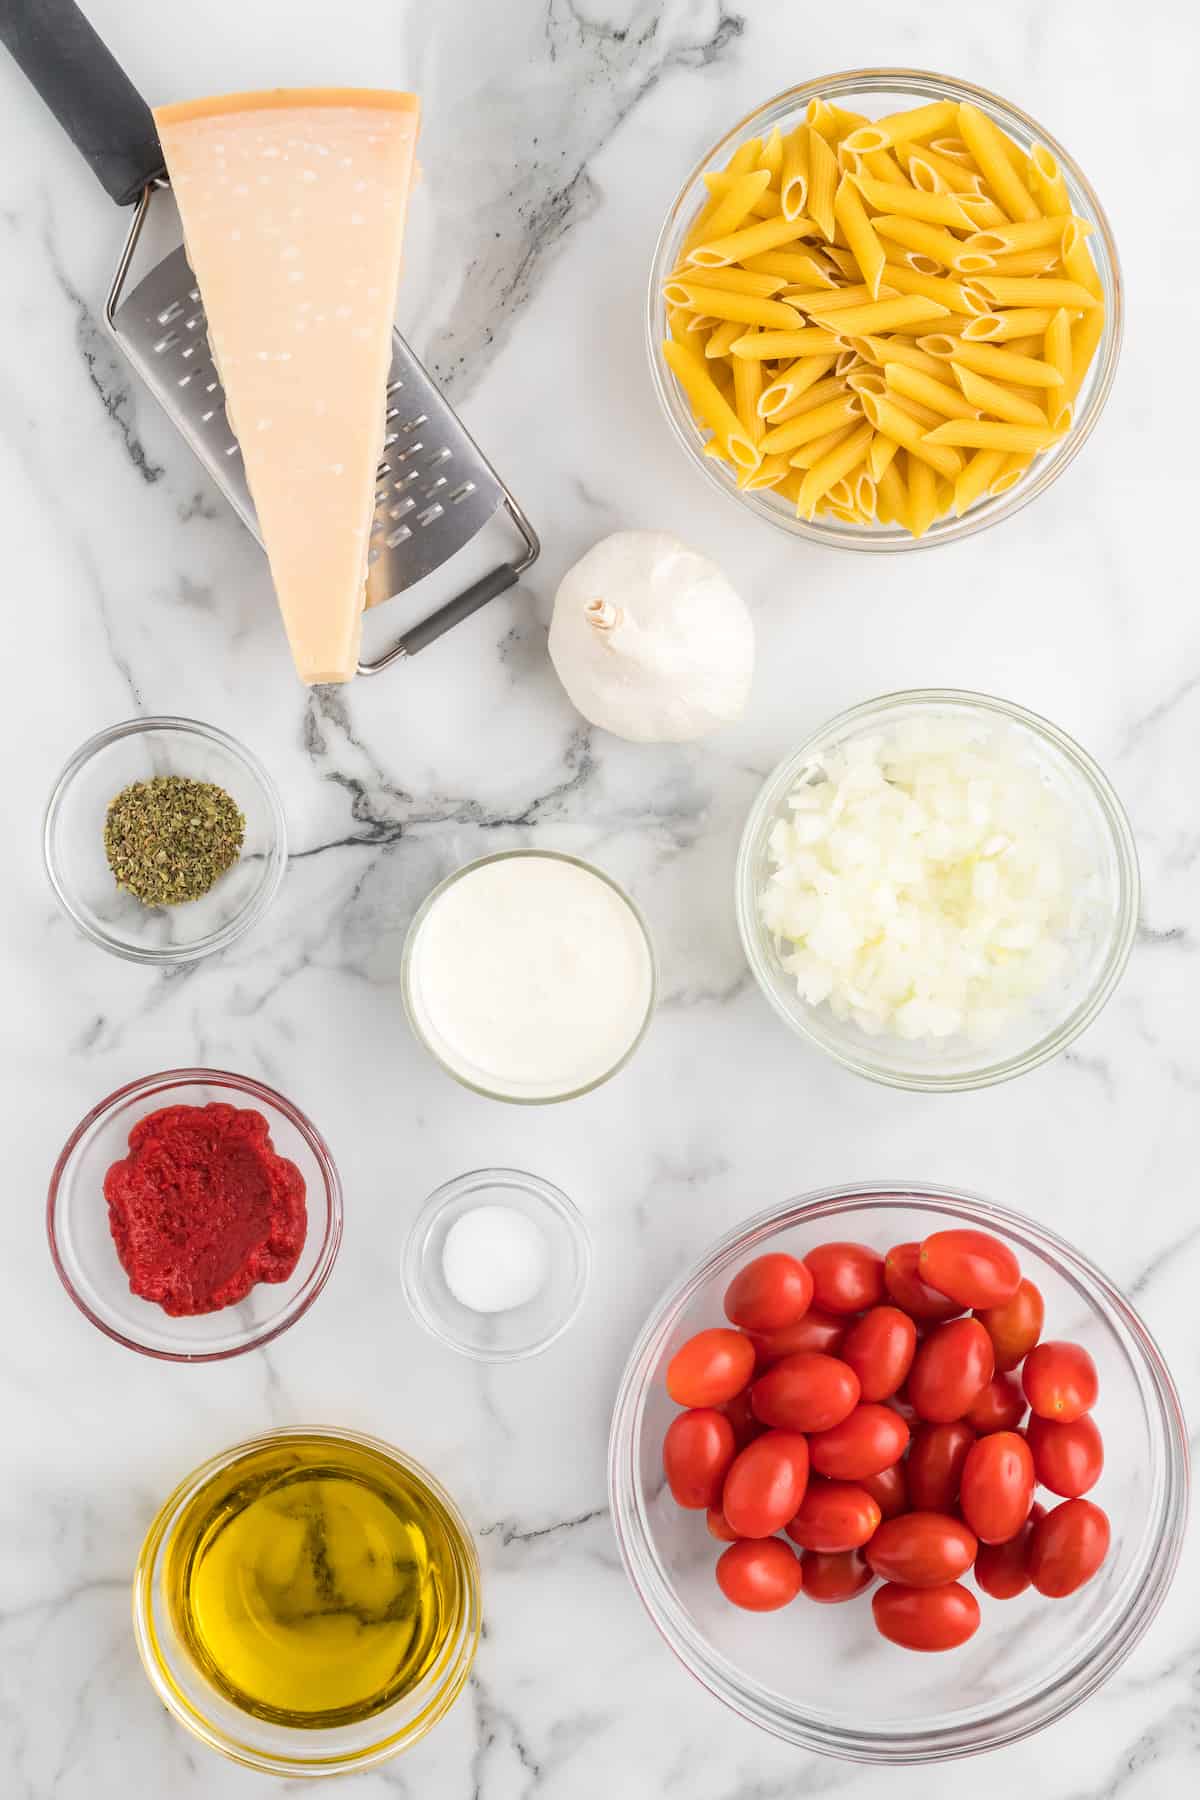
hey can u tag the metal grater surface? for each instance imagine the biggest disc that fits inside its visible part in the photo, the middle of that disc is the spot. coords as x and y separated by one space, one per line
435 490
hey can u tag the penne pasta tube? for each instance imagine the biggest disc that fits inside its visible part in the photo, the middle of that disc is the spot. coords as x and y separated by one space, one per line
808 454
770 157
733 281
847 362
917 259
922 496
924 416
899 128
802 267
1085 341
1006 365
991 434
936 174
953 147
767 234
1046 181
865 379
891 497
698 322
816 424
989 147
770 471
844 262
769 345
838 462
912 203
1026 262
747 388
882 165
897 350
883 315
976 477
710 404
1011 471
933 241
750 309
832 122
793 181
796 380
981 210
939 398
879 455
995 398
734 198
868 252
1077 260
1034 290
950 294
1000 328
744 157
886 416
1026 234
837 299
719 340
817 395
822 183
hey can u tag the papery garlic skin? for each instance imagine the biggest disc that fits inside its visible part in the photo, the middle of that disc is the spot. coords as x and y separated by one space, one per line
650 640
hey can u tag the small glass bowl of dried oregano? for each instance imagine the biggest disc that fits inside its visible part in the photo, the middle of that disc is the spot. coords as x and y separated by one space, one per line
164 840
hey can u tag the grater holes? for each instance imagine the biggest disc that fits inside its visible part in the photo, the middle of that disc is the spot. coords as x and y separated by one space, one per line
168 341
414 424
395 538
461 493
170 313
402 506
433 487
231 449
430 514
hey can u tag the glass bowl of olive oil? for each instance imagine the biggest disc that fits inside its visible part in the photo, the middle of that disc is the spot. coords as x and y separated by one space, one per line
307 1603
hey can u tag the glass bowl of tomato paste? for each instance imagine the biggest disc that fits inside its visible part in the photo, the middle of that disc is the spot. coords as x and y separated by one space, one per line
239 1176
821 1675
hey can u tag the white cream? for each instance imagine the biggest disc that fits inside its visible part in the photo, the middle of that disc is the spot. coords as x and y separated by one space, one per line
530 977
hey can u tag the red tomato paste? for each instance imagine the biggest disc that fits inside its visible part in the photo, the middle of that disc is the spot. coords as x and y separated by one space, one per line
203 1208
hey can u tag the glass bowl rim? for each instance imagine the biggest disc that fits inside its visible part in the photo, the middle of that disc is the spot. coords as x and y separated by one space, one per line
258 901
444 1196
1120 831
1037 479
194 1722
1009 1722
257 1090
406 975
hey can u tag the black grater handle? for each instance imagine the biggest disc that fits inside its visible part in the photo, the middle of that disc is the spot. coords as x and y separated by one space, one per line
446 617
87 91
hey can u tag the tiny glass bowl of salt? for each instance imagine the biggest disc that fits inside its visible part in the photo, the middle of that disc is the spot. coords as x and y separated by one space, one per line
938 888
497 1264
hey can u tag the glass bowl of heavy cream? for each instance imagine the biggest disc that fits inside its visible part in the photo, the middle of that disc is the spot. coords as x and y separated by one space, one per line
529 976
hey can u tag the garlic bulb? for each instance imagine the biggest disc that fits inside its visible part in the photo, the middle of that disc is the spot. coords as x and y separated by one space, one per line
650 641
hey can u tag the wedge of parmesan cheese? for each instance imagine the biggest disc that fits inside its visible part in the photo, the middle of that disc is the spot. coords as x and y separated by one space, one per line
293 205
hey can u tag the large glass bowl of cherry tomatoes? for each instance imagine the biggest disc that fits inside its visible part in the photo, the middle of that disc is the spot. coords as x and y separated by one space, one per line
898 1474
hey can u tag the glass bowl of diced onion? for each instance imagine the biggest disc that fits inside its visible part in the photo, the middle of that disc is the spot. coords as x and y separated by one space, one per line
938 888
890 496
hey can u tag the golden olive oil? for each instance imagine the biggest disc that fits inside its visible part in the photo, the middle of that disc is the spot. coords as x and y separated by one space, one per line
314 1581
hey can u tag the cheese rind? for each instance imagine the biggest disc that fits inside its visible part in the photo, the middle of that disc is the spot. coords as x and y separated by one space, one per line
293 205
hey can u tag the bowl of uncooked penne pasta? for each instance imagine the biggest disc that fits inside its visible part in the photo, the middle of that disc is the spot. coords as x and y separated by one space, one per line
885 310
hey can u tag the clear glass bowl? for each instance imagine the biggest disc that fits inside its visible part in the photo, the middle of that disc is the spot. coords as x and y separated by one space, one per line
821 1676
73 840
485 1081
1097 958
86 1258
875 92
520 1331
300 1753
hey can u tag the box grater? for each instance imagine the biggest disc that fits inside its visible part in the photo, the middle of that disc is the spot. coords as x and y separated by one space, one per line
435 489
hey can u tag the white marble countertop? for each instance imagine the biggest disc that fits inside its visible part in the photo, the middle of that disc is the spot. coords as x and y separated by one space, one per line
556 132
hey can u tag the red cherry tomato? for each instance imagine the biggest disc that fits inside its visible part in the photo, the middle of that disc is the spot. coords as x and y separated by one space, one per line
697 1452
1067 1459
1002 1570
1067 1547
950 1370
805 1392
972 1267
872 1438
711 1367
847 1278
935 1465
922 1549
765 1484
1060 1381
740 1414
1000 1407
769 1293
817 1330
889 1487
909 1292
997 1486
1015 1326
879 1348
718 1526
834 1515
830 1577
937 1618
760 1576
